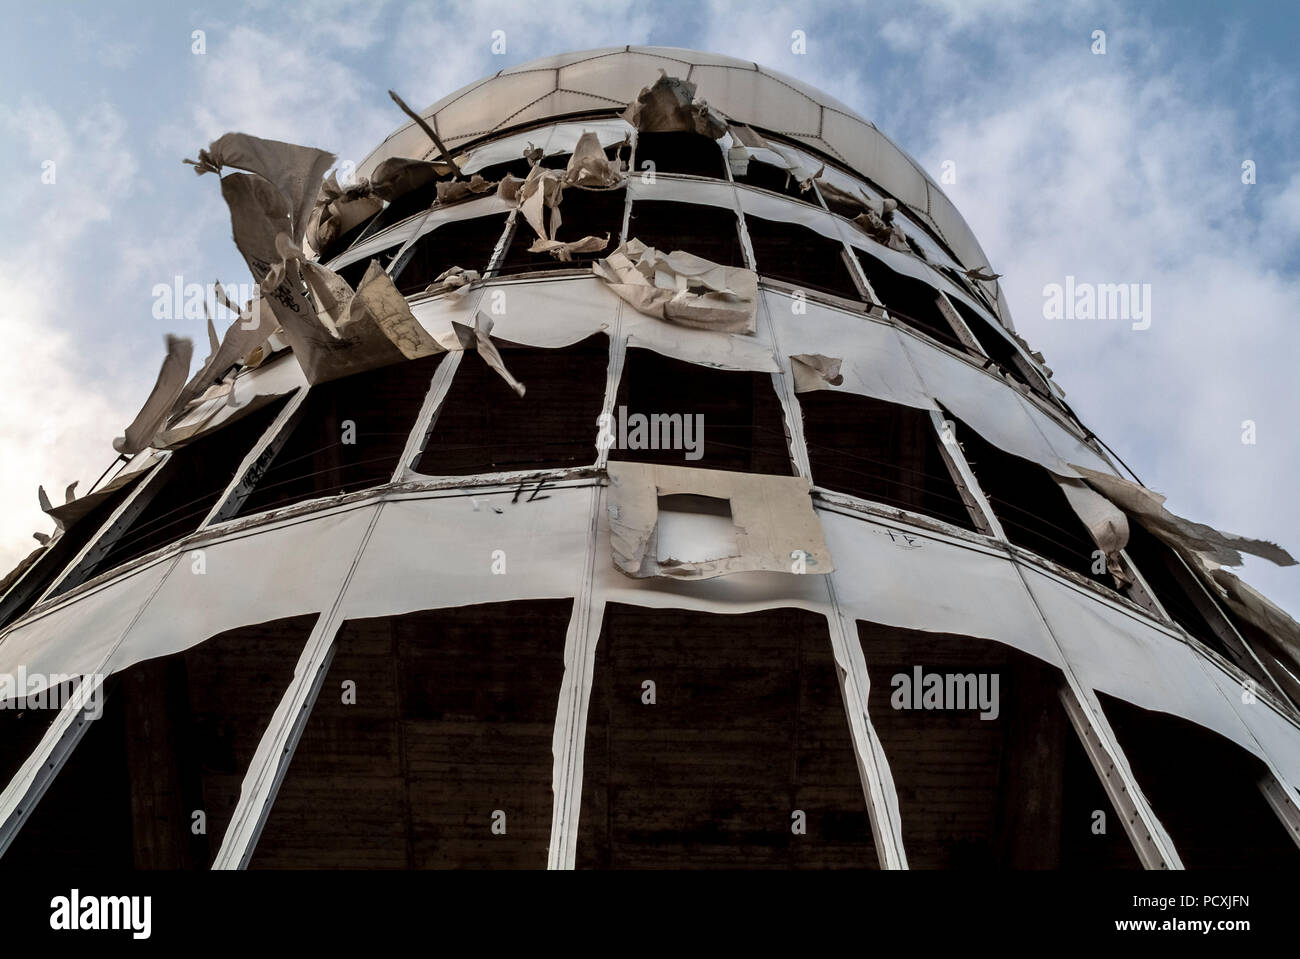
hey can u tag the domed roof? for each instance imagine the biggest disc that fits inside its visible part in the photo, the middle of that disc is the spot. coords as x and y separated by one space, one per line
609 78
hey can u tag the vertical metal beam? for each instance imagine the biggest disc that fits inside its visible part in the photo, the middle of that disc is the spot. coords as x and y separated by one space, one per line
1154 847
1282 800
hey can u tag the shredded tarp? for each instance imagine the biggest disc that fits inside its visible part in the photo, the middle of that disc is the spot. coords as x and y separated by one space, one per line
776 528
543 190
241 343
812 371
1182 534
682 288
670 105
1105 522
876 218
453 190
477 338
590 167
339 209
162 398
455 279
74 508
398 176
368 328
294 171
258 216
1256 609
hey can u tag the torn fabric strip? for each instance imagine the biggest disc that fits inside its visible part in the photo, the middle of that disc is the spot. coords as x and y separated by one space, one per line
681 287
774 527
1183 534
812 371
1106 523
670 105
166 390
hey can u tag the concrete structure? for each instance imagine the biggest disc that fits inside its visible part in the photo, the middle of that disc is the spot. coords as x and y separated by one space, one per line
752 536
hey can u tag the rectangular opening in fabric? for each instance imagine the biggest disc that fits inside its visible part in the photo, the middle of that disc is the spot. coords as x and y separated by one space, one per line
1180 593
795 254
1203 789
24 593
711 232
675 413
719 741
680 151
180 497
347 435
484 427
880 451
694 529
465 243
1014 790
583 213
909 300
429 746
1030 505
175 739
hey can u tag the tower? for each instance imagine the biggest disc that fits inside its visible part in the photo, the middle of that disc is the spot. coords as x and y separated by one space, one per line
635 465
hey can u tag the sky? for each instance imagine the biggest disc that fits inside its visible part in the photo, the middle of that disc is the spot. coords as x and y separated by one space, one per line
1122 166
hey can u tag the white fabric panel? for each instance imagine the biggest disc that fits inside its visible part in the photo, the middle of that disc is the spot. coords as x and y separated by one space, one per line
988 405
1116 652
723 351
875 362
543 313
446 542
665 187
915 580
1276 735
75 638
769 206
468 210
247 581
906 263
395 235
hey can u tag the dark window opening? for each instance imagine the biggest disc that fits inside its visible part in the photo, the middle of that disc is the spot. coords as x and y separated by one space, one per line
909 300
179 498
747 728
711 232
1030 505
55 559
347 435
449 736
680 151
484 427
724 419
880 451
464 243
24 722
1178 591
798 255
175 738
1203 789
583 213
768 177
1014 790
1002 352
